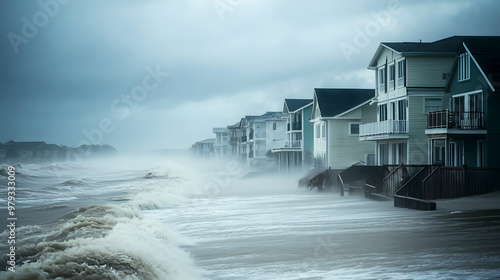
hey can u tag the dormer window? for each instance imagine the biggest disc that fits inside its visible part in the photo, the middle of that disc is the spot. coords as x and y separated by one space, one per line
463 67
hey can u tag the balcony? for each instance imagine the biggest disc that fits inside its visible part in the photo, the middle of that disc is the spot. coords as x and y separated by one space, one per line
389 129
233 139
287 144
294 126
243 139
455 122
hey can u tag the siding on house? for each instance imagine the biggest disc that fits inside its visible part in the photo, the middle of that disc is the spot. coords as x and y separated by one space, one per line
417 143
307 133
344 149
427 71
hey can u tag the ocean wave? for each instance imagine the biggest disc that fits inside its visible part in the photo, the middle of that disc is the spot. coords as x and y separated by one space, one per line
68 184
105 242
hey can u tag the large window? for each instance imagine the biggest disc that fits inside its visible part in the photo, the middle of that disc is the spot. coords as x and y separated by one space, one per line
402 110
382 112
383 154
401 73
381 80
463 67
392 76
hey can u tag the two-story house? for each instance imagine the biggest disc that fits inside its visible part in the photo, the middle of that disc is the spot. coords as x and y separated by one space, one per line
468 131
297 148
221 145
234 142
203 149
336 117
263 131
410 80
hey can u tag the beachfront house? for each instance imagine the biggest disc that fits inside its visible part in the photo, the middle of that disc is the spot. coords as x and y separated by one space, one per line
410 80
203 149
235 134
259 134
467 132
25 150
295 151
336 116
221 145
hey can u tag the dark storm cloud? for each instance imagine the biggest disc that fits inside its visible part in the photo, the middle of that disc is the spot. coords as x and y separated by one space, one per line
240 59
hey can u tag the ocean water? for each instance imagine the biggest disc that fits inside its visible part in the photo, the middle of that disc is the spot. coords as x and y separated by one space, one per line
150 219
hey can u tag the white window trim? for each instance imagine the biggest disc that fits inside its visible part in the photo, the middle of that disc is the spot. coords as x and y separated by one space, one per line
466 75
349 128
389 88
384 80
397 72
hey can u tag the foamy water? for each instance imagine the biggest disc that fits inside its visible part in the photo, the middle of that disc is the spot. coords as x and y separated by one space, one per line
158 220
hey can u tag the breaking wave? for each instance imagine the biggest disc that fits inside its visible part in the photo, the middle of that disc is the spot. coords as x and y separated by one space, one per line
114 241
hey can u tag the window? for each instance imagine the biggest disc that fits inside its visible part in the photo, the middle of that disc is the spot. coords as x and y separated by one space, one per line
402 110
383 154
476 102
392 75
433 105
381 80
354 128
463 67
402 151
401 73
316 130
274 126
323 130
382 112
393 111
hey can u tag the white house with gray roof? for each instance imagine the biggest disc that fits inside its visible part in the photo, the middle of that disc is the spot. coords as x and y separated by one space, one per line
410 79
336 116
259 134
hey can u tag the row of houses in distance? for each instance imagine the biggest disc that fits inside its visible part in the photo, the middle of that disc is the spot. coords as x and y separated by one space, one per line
433 103
37 151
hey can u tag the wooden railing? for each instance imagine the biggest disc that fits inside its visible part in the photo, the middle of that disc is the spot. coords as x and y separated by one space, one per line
398 177
438 182
458 120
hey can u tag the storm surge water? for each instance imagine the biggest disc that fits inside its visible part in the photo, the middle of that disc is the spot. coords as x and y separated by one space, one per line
85 221
172 220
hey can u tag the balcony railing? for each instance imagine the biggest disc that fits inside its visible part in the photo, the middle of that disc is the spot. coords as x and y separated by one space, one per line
287 144
458 120
384 127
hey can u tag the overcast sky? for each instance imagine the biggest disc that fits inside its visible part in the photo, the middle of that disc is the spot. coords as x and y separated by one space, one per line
157 74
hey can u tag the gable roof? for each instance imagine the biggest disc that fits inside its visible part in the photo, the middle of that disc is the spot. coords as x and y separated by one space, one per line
335 101
234 126
444 46
485 53
293 105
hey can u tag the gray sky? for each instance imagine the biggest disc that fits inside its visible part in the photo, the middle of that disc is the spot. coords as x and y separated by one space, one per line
158 74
